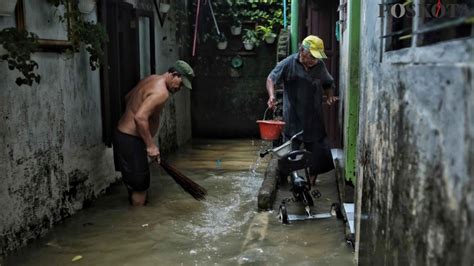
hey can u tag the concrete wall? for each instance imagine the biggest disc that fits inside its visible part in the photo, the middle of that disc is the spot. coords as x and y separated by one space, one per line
52 158
416 151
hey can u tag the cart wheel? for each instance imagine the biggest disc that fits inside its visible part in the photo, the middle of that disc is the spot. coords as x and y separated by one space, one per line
336 210
283 214
316 194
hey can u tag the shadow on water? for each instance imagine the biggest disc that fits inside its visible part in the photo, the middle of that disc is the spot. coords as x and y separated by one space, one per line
175 229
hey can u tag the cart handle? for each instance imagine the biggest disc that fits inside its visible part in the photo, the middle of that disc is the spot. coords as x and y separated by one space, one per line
296 135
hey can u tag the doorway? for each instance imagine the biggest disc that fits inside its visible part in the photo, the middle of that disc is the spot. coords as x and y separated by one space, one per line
321 17
130 55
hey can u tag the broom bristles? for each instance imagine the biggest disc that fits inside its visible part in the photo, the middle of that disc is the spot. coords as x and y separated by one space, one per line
193 188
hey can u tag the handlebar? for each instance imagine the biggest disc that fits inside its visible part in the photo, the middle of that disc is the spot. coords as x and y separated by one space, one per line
262 154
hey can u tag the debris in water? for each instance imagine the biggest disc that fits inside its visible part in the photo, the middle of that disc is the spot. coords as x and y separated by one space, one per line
193 252
76 258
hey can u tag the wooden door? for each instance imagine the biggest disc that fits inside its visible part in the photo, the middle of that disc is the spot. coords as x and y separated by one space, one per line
122 70
321 17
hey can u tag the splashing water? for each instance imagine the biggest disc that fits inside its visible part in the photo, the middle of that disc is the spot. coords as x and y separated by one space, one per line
264 145
174 229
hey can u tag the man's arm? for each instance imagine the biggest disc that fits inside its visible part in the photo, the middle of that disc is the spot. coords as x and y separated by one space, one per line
275 75
328 86
142 116
329 92
271 93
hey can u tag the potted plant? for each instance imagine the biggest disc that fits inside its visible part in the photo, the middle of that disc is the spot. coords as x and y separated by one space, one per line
250 39
267 33
221 41
236 25
92 35
7 7
19 46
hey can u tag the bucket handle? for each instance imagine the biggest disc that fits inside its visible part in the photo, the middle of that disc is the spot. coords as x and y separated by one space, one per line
265 114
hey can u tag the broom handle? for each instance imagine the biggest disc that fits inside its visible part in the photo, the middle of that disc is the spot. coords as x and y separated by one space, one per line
189 185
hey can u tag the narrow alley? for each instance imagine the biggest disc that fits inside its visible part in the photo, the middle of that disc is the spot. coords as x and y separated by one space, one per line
174 229
237 132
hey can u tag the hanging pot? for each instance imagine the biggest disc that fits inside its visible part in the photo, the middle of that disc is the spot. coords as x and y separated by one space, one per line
270 38
164 8
222 45
248 45
86 6
7 7
235 30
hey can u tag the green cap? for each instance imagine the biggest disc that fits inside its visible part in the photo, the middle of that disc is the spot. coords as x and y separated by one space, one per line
186 71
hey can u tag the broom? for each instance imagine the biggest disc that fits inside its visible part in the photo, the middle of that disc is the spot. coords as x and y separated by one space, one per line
185 182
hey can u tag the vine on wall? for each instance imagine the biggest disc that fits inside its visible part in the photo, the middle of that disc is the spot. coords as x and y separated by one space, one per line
20 44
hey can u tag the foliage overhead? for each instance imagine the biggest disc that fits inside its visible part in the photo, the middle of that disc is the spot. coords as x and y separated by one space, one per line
267 15
19 46
92 35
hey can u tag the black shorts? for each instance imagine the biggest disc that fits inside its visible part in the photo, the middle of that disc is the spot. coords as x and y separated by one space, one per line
131 159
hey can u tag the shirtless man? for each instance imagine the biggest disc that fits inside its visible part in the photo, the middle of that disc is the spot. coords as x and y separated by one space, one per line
133 139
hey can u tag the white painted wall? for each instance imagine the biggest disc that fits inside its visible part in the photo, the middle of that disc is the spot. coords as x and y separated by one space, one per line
52 158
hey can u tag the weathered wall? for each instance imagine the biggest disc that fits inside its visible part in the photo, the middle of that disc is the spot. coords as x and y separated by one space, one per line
416 151
225 106
52 157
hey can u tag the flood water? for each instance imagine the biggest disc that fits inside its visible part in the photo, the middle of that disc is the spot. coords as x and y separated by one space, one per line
175 229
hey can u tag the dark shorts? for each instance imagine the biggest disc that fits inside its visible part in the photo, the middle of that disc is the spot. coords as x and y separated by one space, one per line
131 159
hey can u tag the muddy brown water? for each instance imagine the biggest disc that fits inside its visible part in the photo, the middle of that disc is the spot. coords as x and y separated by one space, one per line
175 229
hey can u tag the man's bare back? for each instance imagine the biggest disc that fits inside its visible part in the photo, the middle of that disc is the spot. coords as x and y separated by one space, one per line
145 101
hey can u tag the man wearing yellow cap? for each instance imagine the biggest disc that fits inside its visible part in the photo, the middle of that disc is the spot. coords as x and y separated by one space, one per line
133 139
305 79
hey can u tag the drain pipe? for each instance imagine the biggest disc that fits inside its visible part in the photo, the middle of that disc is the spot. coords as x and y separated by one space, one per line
294 25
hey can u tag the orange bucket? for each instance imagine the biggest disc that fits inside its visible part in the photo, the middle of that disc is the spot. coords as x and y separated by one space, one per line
270 129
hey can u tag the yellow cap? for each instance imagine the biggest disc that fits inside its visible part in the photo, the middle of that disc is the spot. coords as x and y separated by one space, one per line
315 45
